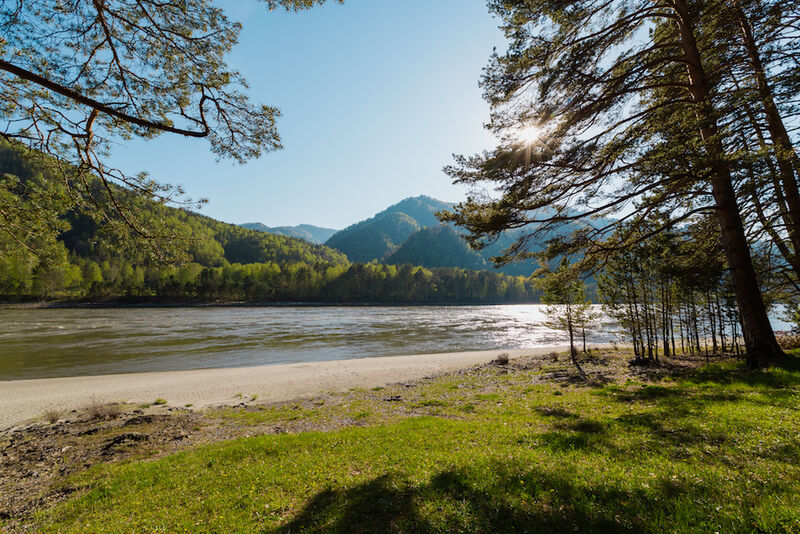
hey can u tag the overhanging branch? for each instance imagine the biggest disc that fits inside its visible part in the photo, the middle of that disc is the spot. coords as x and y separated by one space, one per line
99 106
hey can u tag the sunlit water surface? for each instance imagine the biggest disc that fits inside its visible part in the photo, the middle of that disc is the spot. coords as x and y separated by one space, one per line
40 343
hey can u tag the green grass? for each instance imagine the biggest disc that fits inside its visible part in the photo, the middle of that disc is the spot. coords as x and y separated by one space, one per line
716 450
274 415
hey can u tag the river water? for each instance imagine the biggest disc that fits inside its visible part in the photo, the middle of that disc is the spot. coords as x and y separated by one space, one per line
42 343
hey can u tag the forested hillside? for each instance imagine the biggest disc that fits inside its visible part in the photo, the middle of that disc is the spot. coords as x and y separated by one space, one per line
437 246
376 238
82 258
409 232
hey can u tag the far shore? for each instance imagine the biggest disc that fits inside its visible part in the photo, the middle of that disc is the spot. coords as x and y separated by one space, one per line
25 401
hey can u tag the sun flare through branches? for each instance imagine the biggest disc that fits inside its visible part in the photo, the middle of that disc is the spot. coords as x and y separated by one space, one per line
528 135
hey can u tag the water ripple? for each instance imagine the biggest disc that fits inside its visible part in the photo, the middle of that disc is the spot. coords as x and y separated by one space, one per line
72 342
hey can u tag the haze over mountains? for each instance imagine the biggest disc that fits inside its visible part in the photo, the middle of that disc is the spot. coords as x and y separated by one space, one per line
409 232
309 232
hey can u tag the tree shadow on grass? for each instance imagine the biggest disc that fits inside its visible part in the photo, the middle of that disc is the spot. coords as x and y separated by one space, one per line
773 387
576 434
675 436
515 499
700 387
785 376
555 411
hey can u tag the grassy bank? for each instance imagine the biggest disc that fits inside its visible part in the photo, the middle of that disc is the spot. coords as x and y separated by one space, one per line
519 448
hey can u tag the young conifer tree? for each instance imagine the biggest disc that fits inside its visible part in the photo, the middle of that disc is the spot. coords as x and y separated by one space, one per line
568 308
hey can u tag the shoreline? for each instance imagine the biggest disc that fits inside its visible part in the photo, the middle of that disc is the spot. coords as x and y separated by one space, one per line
25 401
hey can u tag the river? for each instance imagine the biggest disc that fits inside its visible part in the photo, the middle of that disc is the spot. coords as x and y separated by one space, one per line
42 343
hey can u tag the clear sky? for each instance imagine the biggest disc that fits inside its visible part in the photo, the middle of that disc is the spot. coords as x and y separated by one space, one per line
376 96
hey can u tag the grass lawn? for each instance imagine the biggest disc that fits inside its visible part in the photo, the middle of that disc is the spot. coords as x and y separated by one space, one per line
714 449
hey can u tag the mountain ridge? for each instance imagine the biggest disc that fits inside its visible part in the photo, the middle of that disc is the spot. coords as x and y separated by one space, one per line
313 234
377 237
427 242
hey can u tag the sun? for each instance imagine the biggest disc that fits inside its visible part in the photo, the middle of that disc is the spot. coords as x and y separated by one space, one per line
528 135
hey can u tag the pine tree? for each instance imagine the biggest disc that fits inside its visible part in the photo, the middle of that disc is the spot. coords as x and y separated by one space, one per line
79 75
627 99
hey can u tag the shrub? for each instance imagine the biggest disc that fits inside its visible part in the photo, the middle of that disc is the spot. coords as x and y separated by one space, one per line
502 359
102 411
788 341
52 415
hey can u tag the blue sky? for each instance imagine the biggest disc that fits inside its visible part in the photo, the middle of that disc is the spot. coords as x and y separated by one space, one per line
376 96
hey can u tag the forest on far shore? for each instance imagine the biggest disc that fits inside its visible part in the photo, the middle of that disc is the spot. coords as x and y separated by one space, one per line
82 257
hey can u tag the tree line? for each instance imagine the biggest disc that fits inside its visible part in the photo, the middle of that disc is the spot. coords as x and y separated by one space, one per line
672 294
83 279
667 294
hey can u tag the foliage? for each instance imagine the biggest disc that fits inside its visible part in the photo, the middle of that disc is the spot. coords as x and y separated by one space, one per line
311 233
792 315
77 76
406 283
373 239
672 285
379 236
210 261
410 232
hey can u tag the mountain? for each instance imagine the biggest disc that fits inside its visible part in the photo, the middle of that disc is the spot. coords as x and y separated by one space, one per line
409 232
308 232
438 246
377 237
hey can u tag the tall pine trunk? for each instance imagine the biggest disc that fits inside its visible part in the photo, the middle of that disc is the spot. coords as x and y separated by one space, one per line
761 348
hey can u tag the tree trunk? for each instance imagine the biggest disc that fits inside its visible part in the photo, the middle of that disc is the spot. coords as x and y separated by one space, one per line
573 353
572 350
735 323
680 326
635 323
779 200
646 309
761 347
784 151
665 316
696 328
712 322
720 320
583 333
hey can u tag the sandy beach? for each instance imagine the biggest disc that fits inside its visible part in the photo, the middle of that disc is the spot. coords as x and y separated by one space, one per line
24 401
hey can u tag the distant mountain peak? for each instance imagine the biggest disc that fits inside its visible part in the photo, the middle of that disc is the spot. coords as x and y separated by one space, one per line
377 237
409 232
308 232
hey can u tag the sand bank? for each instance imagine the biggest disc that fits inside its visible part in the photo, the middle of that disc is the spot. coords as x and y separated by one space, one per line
23 401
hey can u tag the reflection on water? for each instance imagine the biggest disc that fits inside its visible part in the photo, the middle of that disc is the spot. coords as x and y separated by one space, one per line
71 342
